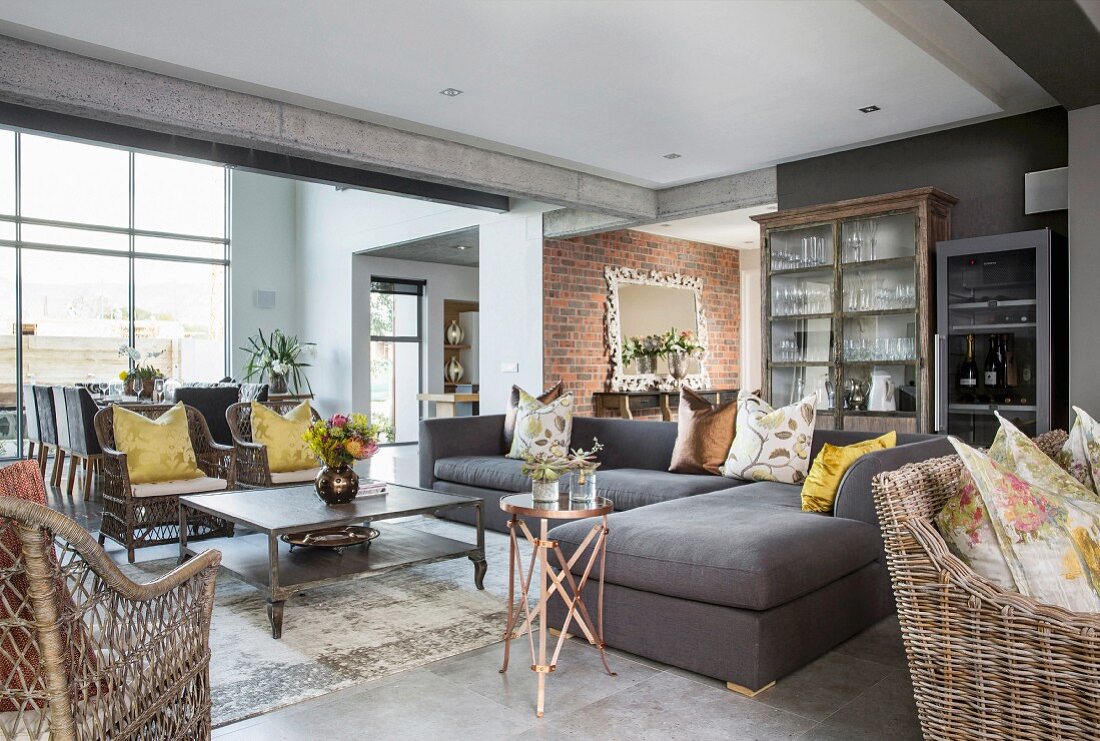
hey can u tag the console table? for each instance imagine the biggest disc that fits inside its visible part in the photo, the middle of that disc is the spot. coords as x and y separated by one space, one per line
625 403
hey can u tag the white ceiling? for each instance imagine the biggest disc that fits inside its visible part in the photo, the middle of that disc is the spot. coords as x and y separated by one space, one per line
607 87
728 229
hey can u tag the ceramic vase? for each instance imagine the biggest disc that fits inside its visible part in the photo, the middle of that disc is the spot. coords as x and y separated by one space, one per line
277 383
337 484
455 335
454 370
544 491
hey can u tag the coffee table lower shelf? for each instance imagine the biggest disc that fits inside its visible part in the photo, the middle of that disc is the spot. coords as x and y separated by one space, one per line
249 558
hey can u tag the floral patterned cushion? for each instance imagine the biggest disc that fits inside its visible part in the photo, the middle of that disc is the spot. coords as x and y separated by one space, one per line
1046 523
156 449
771 444
1081 453
542 428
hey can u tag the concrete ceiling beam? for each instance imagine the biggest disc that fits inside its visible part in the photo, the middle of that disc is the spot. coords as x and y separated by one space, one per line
42 77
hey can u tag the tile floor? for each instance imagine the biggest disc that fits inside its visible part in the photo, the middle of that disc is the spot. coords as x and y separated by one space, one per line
859 691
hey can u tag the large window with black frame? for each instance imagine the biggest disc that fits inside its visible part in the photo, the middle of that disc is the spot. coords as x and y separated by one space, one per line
396 328
102 247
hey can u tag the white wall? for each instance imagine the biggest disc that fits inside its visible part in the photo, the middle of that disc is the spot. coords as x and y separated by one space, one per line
1084 248
333 226
263 238
751 304
510 305
443 282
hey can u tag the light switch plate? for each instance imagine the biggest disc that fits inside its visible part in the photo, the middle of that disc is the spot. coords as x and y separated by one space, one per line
509 367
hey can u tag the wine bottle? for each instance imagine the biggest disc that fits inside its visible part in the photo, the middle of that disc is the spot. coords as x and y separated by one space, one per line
990 374
1012 376
967 374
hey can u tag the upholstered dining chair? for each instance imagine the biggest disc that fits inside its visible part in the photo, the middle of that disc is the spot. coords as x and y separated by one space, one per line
142 515
84 449
31 432
986 663
86 653
61 423
47 428
253 469
211 401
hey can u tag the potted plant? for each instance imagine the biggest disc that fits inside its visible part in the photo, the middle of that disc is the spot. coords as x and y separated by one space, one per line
545 471
678 347
278 359
142 377
583 464
338 442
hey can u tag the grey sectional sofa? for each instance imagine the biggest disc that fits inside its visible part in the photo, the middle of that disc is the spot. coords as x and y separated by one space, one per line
726 578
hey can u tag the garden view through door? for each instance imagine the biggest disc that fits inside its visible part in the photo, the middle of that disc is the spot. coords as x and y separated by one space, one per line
396 326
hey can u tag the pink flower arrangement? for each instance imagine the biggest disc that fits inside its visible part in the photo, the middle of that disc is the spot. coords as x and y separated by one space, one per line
342 439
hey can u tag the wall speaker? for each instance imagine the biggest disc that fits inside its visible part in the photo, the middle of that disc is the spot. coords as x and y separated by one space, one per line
1046 190
263 299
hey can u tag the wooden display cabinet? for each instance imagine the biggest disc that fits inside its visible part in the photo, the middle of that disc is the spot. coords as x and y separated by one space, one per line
848 292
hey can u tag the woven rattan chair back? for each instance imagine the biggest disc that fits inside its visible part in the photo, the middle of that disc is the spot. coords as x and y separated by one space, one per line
88 653
253 470
136 523
985 663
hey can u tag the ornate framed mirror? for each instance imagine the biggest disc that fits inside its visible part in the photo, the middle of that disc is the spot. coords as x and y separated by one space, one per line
642 303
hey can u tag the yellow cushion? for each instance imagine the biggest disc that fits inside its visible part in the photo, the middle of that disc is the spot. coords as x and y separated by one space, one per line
156 449
282 434
819 490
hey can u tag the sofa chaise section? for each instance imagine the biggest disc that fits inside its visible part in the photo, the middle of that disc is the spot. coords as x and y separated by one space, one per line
741 584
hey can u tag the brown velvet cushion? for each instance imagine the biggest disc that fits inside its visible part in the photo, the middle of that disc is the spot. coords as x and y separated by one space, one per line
547 396
704 434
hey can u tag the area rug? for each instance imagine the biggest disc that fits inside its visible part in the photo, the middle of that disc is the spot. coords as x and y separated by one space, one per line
344 634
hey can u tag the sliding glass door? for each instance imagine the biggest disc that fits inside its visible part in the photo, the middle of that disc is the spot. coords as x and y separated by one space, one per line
396 326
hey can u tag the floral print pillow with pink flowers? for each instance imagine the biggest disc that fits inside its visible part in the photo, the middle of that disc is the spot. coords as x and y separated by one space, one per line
1081 453
1045 524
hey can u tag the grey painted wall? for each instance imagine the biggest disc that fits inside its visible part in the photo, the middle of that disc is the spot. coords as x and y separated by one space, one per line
983 165
1084 257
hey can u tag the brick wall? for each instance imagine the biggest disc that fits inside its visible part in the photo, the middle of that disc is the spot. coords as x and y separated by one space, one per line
575 346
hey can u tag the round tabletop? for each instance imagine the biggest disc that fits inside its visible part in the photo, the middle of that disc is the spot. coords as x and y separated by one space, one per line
561 509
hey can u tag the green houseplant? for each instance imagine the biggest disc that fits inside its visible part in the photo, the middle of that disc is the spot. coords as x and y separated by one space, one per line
545 471
278 359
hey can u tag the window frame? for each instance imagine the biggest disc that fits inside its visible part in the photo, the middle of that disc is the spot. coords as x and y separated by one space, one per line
131 255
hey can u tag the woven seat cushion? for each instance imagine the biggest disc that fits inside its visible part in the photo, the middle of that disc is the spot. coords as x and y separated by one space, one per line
179 487
20 663
294 477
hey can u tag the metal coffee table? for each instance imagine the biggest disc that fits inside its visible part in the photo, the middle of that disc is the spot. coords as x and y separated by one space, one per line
264 561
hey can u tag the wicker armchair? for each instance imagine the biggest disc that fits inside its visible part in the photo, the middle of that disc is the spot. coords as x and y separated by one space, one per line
86 653
253 471
985 663
138 522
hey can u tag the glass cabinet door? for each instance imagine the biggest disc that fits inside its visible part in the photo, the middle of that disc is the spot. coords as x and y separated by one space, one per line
990 343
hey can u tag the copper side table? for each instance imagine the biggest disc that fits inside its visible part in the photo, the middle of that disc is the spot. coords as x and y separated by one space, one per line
551 582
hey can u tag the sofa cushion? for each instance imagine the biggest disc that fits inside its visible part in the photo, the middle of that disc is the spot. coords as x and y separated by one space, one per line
628 488
751 547
484 471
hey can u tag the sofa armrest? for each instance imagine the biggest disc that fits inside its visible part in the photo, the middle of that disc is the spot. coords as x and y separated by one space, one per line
453 436
854 499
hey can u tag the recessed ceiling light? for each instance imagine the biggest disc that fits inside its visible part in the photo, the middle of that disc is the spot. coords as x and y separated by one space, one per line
460 247
869 109
666 224
749 241
450 92
671 156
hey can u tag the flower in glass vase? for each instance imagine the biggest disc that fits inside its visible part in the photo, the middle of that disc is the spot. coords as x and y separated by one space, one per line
545 471
140 378
582 465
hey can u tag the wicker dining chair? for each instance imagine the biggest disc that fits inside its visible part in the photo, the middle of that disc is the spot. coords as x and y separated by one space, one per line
85 652
139 522
253 471
986 663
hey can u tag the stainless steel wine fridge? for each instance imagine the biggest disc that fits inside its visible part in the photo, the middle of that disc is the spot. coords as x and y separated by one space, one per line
1002 334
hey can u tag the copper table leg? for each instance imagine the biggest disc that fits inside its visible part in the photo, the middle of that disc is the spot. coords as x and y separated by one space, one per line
551 582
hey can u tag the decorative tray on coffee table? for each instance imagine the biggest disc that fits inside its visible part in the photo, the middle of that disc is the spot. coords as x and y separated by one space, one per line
332 537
